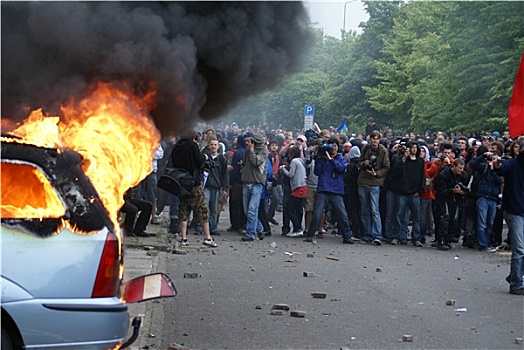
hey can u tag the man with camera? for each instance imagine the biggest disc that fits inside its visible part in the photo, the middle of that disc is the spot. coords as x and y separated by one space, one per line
487 195
330 167
374 166
411 177
451 186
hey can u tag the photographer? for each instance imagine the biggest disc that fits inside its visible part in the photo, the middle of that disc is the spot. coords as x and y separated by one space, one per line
374 166
488 193
450 190
330 167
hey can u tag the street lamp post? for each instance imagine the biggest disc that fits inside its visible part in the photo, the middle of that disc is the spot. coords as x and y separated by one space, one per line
345 4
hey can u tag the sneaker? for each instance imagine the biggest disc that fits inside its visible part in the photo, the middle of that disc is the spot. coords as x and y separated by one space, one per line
377 242
320 234
215 233
154 220
404 242
347 240
394 241
508 278
355 238
260 235
210 243
295 234
267 233
418 244
309 239
489 250
184 243
517 291
247 239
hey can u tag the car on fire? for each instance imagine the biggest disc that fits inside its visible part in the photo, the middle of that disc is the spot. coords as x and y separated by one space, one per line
62 262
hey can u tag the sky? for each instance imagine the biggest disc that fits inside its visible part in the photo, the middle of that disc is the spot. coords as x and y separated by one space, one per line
329 15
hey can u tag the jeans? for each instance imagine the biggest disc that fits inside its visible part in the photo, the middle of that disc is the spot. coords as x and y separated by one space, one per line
392 222
516 233
369 197
251 199
337 206
425 212
410 202
212 195
486 209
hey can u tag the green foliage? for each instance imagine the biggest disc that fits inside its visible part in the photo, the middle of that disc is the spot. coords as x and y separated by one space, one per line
416 65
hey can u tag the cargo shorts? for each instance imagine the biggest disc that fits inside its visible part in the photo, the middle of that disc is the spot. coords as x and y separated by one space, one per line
196 202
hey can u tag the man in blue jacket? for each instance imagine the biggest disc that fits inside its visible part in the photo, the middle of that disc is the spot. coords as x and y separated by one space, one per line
330 167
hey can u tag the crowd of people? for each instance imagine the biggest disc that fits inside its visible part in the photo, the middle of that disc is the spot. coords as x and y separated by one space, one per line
371 187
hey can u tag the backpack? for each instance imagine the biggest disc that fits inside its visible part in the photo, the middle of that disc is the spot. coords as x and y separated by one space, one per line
178 182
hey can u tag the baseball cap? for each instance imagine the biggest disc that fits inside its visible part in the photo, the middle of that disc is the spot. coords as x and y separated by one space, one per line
403 142
301 138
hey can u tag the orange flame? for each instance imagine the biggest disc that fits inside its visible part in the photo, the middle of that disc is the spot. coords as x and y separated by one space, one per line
111 129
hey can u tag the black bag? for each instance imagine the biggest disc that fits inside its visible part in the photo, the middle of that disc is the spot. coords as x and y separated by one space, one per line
178 182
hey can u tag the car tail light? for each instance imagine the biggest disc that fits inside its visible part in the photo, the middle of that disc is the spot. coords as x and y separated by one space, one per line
108 276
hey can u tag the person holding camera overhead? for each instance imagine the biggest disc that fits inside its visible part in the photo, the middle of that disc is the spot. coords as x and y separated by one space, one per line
330 167
374 166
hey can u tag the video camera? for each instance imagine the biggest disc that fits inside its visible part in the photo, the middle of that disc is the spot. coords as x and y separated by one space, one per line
310 135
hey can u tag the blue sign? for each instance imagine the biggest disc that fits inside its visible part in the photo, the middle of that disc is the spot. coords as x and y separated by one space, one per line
309 110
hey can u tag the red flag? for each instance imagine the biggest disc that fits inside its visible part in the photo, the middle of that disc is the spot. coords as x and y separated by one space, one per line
516 104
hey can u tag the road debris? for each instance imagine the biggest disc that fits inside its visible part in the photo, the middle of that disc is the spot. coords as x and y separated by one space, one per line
309 274
280 307
297 313
331 257
450 302
190 274
407 338
319 295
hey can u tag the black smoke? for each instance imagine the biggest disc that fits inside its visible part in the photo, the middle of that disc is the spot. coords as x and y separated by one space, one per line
204 57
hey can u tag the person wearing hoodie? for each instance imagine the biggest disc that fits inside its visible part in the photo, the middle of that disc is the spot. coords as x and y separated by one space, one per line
513 206
186 155
411 176
237 216
253 176
351 199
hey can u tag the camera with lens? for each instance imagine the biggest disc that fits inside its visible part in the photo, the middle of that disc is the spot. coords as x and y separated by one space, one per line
462 187
321 151
372 164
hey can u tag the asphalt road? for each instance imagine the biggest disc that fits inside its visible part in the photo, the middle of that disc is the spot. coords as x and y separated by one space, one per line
374 296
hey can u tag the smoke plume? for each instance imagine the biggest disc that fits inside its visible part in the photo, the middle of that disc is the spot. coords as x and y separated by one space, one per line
203 57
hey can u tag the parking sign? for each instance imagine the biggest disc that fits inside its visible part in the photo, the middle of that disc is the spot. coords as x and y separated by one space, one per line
309 110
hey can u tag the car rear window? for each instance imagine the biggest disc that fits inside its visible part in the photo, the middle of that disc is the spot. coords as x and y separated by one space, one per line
28 194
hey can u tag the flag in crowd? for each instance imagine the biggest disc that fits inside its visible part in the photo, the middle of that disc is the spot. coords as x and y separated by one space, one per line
516 104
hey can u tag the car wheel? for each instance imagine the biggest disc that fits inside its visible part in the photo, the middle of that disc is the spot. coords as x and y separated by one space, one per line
6 341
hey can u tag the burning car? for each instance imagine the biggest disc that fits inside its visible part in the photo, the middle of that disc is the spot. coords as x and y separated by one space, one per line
62 261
